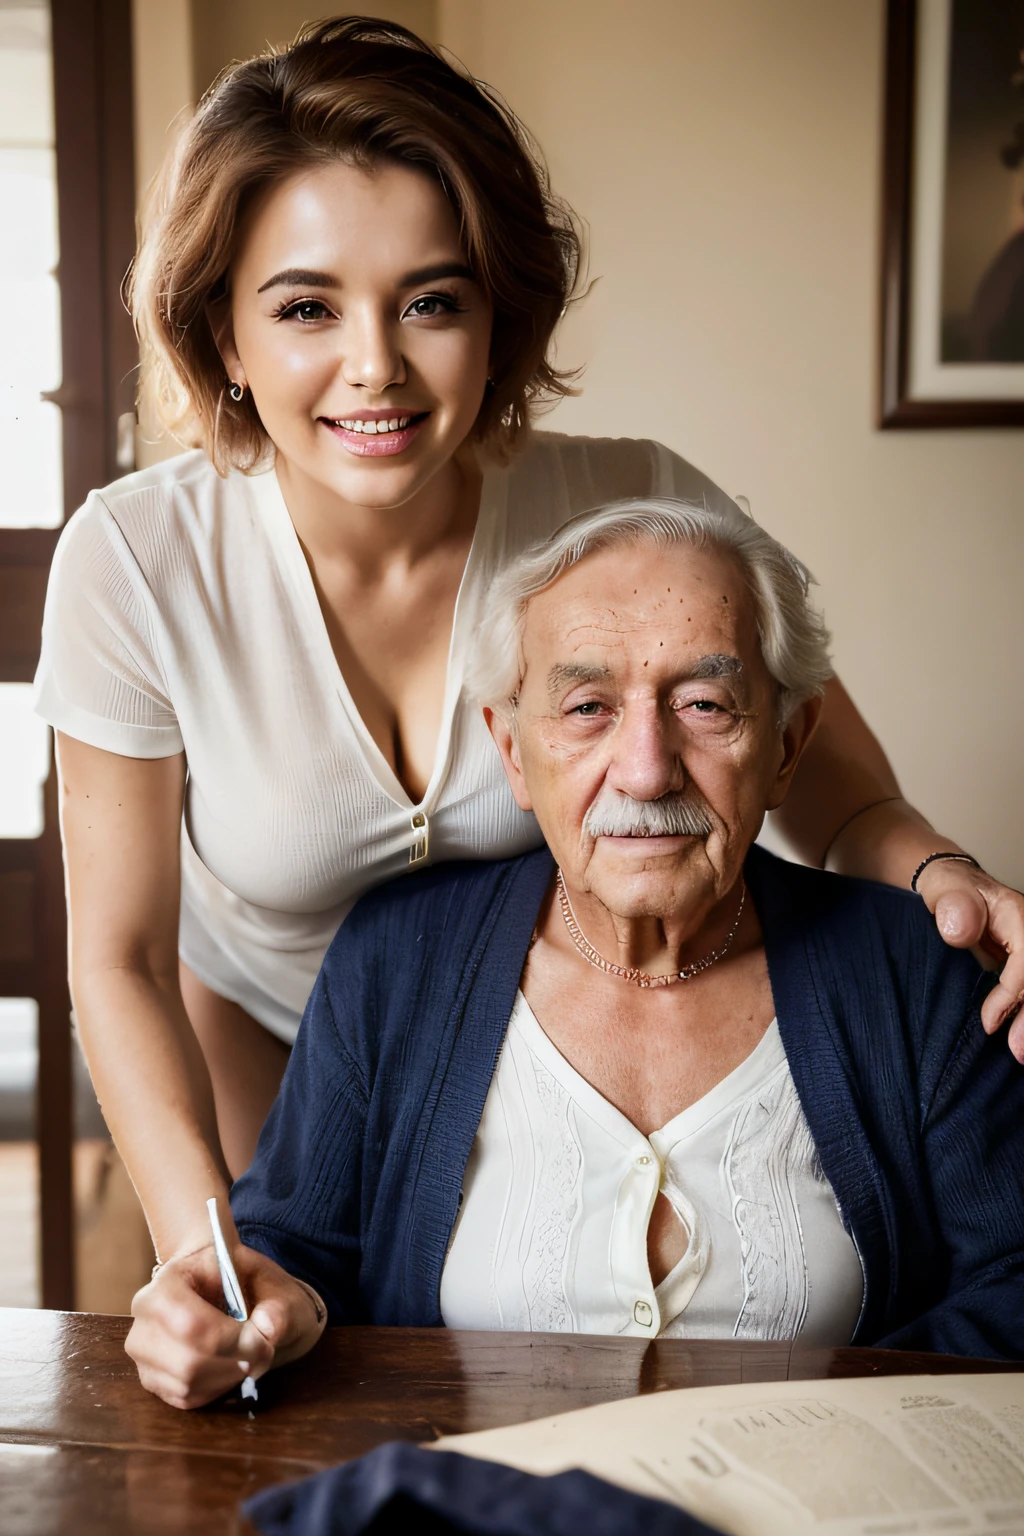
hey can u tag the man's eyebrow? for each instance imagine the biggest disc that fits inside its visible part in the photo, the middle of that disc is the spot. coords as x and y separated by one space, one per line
300 277
717 665
564 672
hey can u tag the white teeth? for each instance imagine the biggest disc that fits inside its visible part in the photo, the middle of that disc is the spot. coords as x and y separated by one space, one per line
392 424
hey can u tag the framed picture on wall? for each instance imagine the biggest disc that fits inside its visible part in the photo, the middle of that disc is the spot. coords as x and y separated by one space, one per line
952 301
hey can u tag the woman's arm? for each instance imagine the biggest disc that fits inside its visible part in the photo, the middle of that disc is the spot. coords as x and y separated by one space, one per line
845 812
121 824
298 1206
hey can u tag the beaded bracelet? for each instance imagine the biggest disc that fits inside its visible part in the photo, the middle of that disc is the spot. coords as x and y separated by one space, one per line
960 858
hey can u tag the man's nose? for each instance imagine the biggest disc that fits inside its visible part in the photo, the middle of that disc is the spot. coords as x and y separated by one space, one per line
372 357
646 761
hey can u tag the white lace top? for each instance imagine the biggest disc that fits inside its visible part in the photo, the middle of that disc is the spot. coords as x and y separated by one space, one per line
559 1189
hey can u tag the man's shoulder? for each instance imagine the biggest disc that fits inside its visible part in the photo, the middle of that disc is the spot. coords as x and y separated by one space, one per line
416 950
873 949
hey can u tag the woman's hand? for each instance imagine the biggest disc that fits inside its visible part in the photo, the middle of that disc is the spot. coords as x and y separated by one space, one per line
972 910
188 1351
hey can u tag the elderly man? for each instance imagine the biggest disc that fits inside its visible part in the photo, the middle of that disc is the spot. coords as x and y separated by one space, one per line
648 1080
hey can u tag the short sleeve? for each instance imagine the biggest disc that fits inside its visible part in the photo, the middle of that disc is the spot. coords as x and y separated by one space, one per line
99 677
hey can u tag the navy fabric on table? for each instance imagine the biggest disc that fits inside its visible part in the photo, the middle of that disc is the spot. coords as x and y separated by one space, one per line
405 1488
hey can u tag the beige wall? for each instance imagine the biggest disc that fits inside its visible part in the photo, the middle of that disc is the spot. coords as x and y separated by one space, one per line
223 30
162 60
726 155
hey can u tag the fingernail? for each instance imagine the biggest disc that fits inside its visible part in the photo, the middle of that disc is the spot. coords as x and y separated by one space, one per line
243 1366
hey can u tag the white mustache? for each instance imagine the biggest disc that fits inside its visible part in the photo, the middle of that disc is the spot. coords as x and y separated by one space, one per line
680 813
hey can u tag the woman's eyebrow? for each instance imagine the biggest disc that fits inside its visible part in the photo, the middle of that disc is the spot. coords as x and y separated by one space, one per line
432 274
304 277
295 277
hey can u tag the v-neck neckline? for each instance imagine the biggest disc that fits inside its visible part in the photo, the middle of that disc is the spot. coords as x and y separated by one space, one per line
493 500
766 1056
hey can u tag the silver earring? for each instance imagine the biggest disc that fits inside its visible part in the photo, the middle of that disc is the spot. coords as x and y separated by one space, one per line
236 391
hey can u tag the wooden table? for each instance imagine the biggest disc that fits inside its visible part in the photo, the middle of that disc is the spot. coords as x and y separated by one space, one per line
83 1449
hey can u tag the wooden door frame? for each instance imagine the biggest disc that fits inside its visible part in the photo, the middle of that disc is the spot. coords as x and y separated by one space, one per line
92 72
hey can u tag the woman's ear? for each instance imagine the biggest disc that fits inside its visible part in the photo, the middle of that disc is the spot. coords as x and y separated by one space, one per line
796 733
501 725
219 319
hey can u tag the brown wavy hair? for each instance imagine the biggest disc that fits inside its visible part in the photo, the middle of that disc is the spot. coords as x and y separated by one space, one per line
368 92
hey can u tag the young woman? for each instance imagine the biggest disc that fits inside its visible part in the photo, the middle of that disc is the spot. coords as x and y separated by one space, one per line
253 653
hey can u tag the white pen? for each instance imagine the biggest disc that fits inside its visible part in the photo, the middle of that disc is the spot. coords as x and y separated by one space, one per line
233 1298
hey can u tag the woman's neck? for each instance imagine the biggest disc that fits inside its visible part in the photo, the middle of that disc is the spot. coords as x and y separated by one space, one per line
373 539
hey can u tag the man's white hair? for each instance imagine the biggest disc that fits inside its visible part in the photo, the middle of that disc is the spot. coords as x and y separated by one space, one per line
794 640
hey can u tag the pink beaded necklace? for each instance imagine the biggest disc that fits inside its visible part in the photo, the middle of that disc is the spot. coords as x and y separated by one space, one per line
631 973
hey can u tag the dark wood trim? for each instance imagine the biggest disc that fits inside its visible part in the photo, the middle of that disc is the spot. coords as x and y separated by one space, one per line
28 546
117 130
54 1102
25 555
79 202
95 193
896 169
95 200
895 407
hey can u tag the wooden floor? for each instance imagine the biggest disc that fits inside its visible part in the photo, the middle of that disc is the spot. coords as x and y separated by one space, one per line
114 1255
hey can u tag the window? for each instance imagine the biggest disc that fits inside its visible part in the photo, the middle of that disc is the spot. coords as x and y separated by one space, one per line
30 354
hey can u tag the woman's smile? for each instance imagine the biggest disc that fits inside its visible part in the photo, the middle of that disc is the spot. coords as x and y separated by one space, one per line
371 434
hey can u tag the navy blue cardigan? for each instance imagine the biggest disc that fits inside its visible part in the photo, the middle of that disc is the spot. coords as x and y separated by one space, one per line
917 1115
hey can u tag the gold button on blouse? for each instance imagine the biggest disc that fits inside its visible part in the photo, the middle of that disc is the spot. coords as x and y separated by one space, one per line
421 837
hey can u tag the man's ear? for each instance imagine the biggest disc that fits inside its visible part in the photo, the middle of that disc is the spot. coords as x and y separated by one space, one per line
796 733
219 319
500 725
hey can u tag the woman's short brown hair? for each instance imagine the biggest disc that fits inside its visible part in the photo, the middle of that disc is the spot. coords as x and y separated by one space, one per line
368 92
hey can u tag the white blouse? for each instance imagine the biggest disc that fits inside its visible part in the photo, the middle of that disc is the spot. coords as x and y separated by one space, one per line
560 1186
181 616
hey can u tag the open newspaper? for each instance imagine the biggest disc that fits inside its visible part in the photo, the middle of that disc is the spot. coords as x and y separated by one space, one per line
883 1456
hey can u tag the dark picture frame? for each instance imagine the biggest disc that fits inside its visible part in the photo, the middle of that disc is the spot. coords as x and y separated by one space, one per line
918 385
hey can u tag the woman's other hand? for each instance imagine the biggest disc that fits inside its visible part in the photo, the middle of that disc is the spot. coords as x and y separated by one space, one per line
972 910
188 1351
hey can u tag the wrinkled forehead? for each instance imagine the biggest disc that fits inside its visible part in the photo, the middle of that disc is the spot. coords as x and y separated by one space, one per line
627 605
